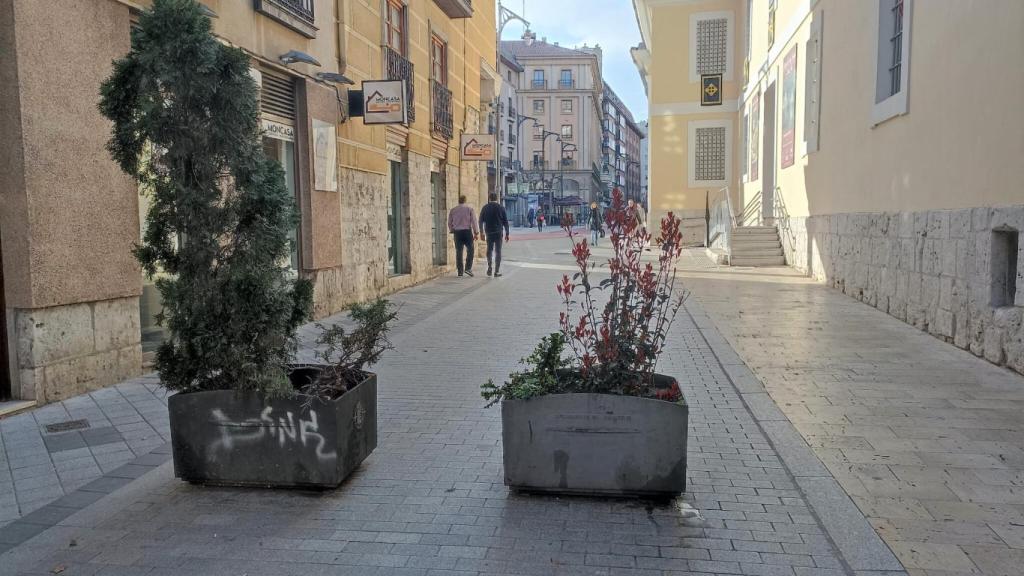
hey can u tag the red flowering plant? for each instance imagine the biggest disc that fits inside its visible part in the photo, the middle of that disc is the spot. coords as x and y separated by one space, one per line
614 346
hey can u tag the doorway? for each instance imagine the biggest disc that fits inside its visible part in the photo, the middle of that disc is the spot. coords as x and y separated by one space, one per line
768 158
440 225
396 222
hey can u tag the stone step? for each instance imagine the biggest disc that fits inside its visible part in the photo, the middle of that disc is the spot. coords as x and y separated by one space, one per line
757 261
743 252
754 243
746 231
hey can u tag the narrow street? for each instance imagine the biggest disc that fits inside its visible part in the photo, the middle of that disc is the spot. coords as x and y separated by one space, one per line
789 472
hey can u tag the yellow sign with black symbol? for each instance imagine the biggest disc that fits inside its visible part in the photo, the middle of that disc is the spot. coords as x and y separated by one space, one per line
710 89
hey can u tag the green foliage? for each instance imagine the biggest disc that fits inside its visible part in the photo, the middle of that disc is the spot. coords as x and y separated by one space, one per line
348 352
547 372
185 125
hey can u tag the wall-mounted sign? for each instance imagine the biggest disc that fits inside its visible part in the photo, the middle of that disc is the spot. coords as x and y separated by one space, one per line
384 102
325 156
477 147
710 89
278 130
789 109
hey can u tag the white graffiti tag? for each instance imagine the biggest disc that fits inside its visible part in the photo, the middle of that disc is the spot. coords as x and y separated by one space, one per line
284 429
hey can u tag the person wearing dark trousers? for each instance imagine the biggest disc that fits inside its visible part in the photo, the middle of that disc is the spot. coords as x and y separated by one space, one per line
494 221
462 224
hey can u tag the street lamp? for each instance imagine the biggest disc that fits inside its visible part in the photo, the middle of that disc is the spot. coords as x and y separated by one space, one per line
504 17
544 135
566 147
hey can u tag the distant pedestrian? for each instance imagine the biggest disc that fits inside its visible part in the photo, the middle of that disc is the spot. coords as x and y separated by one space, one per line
540 222
462 224
596 225
637 214
531 216
494 221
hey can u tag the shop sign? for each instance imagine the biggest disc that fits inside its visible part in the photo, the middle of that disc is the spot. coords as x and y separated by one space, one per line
477 147
278 130
384 102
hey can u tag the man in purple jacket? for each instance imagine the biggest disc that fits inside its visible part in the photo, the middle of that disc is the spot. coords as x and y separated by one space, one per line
462 224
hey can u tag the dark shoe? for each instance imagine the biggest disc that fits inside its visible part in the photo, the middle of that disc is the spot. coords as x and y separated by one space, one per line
460 274
488 271
497 274
468 273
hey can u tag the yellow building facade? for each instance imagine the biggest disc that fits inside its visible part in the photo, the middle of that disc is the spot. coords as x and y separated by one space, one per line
872 134
75 311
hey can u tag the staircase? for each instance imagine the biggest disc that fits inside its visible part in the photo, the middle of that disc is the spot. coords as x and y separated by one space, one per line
756 246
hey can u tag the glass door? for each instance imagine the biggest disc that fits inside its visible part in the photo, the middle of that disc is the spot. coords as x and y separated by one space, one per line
284 152
396 219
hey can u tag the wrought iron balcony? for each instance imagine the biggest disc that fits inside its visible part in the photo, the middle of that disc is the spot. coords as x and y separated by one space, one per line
456 8
540 84
399 68
441 121
295 14
566 83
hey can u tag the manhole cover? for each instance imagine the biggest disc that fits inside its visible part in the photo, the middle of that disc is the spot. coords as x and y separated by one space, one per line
67 426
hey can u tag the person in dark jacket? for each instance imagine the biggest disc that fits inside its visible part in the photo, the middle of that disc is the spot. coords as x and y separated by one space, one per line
493 222
596 223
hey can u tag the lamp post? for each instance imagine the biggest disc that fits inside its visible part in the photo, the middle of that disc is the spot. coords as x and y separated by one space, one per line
566 147
504 17
544 152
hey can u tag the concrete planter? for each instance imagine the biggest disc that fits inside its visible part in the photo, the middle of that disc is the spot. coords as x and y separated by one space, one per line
595 444
235 438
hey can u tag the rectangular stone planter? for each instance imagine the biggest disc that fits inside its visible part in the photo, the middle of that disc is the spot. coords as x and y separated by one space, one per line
237 438
595 444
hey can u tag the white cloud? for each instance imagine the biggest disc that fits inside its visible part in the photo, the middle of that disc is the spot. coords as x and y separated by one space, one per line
610 23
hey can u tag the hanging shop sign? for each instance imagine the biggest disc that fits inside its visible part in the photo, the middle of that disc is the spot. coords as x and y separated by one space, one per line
384 102
710 89
477 147
278 130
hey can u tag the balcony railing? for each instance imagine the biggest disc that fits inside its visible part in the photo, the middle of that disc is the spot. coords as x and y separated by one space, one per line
441 120
399 68
566 83
540 84
512 139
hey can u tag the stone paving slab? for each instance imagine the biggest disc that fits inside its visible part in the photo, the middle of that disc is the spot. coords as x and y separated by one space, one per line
927 440
431 498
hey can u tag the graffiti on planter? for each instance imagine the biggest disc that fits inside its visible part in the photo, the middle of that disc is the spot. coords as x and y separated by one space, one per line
285 429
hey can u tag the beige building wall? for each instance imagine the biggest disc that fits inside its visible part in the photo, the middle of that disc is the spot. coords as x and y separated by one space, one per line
69 217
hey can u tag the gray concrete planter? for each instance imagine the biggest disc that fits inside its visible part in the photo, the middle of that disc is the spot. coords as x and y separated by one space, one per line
595 444
237 438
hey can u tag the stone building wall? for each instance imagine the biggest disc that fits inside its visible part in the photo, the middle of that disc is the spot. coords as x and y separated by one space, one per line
936 270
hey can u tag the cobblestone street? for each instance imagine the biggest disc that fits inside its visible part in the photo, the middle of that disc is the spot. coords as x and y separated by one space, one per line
784 462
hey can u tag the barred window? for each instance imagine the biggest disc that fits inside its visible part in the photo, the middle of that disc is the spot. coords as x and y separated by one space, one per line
710 154
712 46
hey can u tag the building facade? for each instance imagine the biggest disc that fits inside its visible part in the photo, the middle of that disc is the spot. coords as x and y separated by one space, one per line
620 147
511 184
77 312
560 91
851 126
645 143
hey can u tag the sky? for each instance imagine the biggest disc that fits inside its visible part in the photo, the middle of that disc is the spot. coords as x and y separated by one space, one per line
610 23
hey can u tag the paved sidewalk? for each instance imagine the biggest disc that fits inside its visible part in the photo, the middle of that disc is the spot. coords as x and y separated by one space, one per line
431 499
927 439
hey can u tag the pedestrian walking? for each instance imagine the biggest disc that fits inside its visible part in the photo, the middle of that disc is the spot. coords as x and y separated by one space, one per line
596 224
531 216
540 222
635 212
462 224
493 221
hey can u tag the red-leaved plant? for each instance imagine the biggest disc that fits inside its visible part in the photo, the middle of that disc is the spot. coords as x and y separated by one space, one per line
617 344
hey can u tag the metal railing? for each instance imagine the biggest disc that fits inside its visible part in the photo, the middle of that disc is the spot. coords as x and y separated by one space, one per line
563 83
441 119
721 220
400 68
303 9
541 84
752 212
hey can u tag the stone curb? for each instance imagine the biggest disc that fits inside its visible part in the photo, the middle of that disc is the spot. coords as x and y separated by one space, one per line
860 548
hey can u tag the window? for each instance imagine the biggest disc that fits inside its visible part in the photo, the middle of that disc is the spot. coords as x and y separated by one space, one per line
710 157
566 131
538 106
438 60
893 62
509 76
538 79
1005 249
711 44
565 81
395 25
566 106
538 132
538 159
812 90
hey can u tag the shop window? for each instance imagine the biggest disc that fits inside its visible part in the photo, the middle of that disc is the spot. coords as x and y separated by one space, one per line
1005 254
397 225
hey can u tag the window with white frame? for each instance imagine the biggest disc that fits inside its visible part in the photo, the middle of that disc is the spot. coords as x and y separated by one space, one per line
712 38
892 71
710 152
812 89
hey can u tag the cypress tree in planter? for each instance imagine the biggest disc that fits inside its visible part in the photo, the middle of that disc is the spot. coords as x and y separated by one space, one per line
185 125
